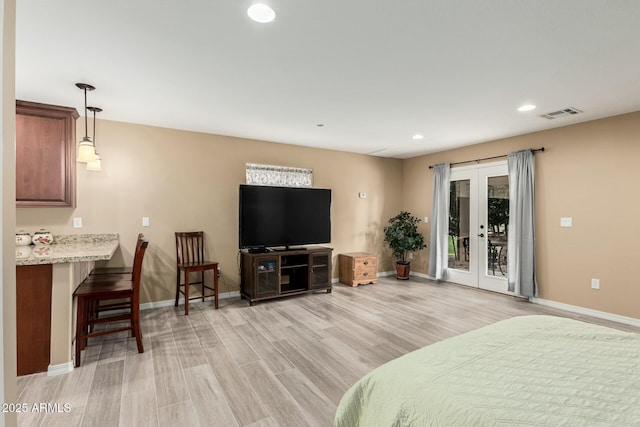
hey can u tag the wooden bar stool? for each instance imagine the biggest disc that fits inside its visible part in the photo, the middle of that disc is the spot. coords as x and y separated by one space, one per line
190 259
126 292
112 274
119 270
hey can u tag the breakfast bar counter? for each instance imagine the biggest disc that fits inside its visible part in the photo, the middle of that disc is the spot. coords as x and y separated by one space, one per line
69 248
46 277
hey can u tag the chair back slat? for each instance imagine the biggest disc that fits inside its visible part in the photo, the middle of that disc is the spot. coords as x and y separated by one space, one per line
136 251
190 247
137 269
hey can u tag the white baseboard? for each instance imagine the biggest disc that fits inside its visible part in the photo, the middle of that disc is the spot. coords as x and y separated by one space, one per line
571 308
587 311
386 273
567 307
167 303
63 368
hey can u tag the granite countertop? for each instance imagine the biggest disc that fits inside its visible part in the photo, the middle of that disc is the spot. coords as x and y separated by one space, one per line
69 248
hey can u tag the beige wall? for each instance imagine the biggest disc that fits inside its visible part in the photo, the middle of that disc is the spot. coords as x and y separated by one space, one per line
189 181
588 172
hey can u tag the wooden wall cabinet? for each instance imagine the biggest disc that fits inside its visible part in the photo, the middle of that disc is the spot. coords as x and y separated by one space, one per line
281 273
45 155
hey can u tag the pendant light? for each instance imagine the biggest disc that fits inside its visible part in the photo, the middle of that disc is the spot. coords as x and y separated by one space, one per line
95 165
86 150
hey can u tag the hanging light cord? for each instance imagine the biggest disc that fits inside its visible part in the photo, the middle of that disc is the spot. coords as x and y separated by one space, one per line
85 87
86 130
94 110
94 130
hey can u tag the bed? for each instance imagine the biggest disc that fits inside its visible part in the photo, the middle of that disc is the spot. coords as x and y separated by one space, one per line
529 370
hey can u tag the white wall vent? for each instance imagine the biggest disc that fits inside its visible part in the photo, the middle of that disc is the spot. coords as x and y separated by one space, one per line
560 113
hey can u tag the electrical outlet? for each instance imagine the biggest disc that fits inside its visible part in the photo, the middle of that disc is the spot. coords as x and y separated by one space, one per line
219 271
595 283
410 255
362 195
426 219
145 221
566 222
77 222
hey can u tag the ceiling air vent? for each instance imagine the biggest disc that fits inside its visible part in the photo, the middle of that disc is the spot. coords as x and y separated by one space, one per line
561 113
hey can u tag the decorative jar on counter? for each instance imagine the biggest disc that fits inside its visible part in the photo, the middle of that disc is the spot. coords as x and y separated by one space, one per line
23 238
23 251
41 250
42 237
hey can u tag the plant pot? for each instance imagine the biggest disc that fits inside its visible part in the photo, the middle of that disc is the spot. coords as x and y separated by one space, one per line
402 270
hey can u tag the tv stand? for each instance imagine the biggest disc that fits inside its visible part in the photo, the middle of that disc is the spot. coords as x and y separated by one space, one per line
284 272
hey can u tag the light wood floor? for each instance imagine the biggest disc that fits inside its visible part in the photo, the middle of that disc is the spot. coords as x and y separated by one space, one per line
280 363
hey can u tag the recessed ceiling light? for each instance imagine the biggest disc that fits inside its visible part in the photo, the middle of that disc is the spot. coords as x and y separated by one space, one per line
418 136
262 13
526 107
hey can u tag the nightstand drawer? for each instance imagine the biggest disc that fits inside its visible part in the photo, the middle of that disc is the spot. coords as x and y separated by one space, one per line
365 262
365 273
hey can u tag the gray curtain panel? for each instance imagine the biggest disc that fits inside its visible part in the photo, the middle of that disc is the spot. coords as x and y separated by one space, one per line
439 244
522 249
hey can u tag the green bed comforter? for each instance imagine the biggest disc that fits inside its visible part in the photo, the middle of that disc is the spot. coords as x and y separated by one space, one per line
525 371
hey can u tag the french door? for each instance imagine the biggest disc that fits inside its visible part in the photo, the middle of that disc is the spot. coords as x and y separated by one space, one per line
478 220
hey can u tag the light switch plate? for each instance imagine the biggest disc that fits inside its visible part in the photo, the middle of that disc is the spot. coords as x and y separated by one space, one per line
145 221
77 222
566 222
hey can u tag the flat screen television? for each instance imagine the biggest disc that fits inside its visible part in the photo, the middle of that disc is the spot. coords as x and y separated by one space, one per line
283 216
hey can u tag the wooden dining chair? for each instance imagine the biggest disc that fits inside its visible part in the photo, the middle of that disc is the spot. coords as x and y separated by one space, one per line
190 259
124 293
112 274
119 270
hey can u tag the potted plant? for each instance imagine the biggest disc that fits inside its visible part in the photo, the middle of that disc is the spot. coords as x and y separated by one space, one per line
402 236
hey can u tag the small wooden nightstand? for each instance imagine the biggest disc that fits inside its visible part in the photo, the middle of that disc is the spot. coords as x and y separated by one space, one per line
358 268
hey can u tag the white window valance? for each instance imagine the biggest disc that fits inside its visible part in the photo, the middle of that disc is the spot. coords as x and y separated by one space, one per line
282 176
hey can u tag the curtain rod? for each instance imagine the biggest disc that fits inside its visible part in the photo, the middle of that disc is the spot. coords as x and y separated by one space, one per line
533 150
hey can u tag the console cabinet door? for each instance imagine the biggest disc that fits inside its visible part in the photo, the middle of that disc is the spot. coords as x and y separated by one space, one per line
267 280
321 270
45 155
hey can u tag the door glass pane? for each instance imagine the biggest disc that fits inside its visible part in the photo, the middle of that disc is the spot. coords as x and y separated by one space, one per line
320 271
267 278
498 219
459 224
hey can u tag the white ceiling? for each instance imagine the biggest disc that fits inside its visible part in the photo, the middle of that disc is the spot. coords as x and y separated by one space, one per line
373 72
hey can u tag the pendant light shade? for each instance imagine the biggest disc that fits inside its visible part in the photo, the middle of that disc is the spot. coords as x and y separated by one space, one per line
86 149
94 165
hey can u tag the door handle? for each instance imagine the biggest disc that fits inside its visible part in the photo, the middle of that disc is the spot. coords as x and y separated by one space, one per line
481 235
